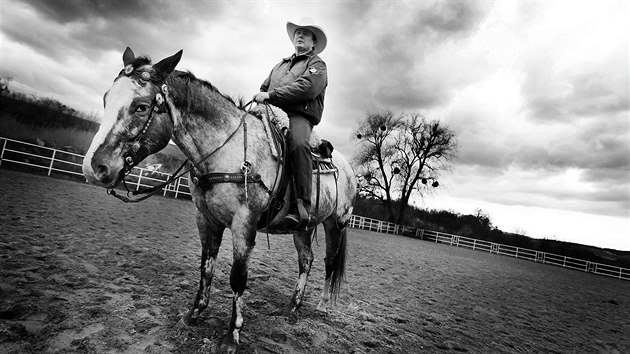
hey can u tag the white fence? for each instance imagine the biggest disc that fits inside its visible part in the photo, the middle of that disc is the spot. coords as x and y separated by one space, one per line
52 161
364 223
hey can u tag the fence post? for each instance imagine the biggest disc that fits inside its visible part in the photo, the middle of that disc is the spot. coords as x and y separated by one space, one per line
139 178
177 187
52 161
4 146
167 187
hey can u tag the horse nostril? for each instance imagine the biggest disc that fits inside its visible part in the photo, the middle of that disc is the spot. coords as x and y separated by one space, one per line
105 179
102 174
102 170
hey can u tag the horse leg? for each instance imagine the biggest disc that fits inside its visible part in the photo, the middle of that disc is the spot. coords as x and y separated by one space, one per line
335 260
302 242
211 236
243 240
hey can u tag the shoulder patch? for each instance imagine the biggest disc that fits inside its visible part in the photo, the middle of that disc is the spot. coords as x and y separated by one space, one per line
312 70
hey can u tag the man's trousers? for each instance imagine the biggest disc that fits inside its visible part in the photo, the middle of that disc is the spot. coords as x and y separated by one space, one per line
300 158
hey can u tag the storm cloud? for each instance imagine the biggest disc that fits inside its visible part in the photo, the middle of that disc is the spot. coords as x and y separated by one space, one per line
536 92
394 61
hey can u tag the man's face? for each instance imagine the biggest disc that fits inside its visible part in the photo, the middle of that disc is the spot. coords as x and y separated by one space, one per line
303 40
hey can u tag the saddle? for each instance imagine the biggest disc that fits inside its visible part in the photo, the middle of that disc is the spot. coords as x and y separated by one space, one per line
276 125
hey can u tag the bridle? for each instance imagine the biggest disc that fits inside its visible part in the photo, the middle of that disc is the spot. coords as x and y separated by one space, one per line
158 105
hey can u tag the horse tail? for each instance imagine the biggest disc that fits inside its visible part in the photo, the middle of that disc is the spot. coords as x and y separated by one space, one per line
338 264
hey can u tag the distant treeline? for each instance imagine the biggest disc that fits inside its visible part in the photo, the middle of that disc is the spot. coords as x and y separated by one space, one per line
45 113
480 227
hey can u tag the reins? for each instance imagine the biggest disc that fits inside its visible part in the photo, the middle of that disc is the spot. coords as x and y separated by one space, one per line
149 191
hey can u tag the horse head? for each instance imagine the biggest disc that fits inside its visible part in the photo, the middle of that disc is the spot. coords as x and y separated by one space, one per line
136 121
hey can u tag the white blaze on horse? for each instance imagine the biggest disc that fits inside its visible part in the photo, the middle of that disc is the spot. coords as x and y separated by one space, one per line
239 182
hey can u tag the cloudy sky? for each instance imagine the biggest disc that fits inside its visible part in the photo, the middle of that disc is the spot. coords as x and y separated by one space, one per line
536 91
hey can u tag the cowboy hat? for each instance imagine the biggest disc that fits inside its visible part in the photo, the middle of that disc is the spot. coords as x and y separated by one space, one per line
308 24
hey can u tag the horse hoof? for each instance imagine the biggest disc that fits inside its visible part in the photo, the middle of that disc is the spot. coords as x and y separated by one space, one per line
292 318
322 308
181 324
229 346
294 306
187 319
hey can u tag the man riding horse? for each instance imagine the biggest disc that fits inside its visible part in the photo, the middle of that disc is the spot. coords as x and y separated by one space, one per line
297 84
149 105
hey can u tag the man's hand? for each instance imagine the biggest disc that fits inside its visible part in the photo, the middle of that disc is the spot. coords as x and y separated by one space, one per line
261 97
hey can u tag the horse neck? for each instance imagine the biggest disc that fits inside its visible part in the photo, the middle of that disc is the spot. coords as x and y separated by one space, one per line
204 119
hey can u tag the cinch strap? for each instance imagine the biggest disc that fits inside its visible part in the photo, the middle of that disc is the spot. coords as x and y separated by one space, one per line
209 179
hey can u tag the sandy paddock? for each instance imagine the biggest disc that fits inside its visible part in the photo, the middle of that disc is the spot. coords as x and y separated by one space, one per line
82 272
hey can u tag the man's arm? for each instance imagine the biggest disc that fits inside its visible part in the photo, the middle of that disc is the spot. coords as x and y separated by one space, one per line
262 96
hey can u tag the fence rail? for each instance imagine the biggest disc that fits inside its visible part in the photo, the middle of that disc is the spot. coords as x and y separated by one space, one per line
51 161
364 223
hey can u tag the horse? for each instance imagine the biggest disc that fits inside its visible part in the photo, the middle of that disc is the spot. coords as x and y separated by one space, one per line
229 150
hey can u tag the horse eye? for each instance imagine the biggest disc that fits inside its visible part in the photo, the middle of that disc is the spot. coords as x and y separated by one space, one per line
142 108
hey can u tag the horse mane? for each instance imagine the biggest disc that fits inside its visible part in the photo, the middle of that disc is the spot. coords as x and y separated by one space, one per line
178 76
188 77
141 61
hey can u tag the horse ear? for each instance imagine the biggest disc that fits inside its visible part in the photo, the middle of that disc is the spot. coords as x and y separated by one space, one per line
128 56
167 65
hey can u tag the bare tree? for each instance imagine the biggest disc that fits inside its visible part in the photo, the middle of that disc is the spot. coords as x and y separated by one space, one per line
375 158
484 218
4 83
400 155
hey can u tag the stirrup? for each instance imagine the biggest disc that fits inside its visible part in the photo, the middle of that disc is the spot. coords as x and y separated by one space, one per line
292 219
303 215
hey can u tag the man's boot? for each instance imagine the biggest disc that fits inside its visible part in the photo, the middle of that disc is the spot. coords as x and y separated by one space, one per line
297 215
293 216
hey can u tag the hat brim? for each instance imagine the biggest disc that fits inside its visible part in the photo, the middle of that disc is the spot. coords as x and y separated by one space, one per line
317 31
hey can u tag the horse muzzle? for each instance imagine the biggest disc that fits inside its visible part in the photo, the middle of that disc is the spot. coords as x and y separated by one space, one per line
100 172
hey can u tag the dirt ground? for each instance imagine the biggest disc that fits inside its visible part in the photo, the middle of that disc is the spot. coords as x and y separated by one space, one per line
82 272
